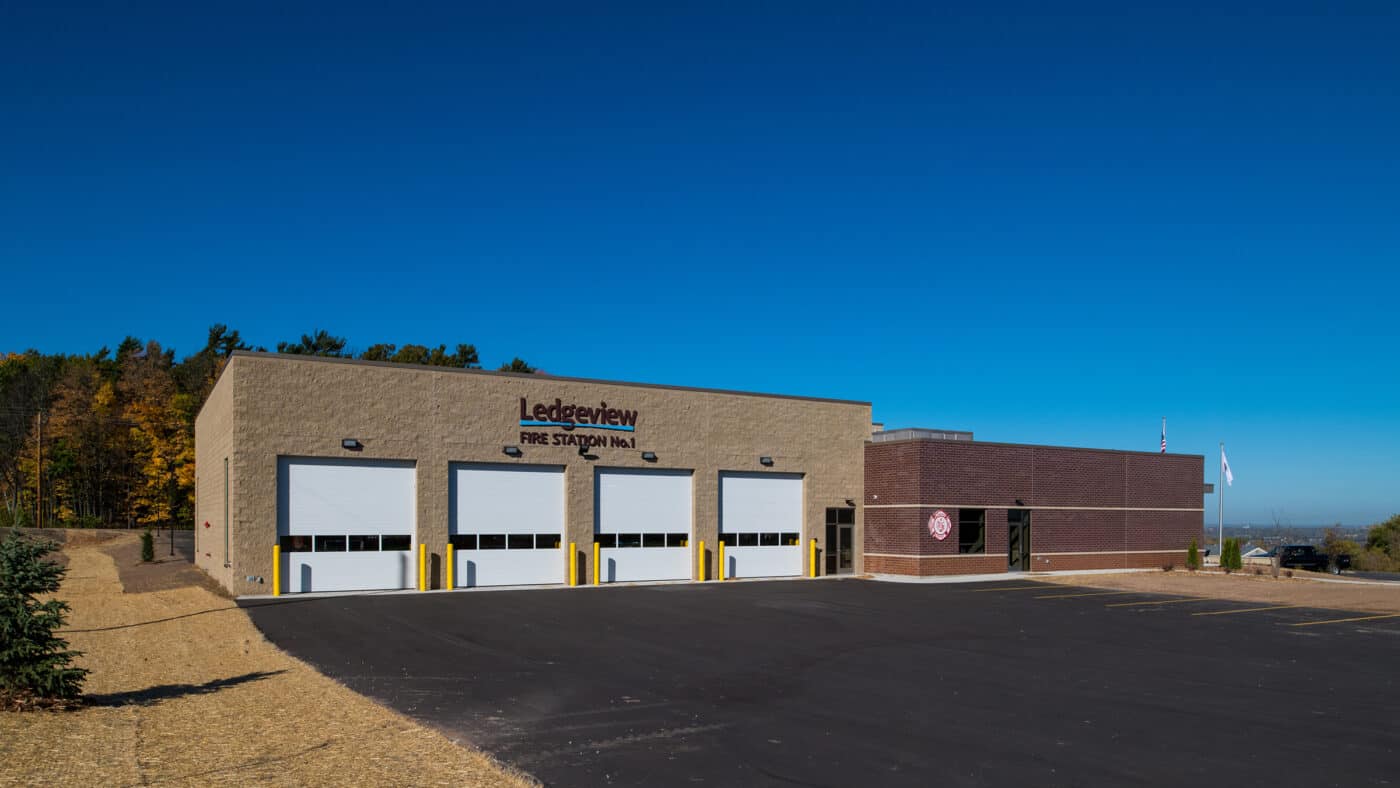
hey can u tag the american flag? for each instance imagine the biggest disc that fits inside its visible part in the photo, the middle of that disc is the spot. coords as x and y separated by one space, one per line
1164 436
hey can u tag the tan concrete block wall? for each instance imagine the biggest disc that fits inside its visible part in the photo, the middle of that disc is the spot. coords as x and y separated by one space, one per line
288 406
214 442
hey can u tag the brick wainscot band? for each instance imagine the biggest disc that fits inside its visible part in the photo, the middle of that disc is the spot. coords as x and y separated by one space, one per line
1016 507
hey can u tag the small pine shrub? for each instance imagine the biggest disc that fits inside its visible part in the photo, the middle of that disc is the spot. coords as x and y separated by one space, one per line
35 663
1193 556
148 546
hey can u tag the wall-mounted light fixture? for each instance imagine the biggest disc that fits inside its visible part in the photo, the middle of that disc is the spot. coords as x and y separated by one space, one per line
649 456
1018 502
850 502
512 451
765 460
582 450
353 444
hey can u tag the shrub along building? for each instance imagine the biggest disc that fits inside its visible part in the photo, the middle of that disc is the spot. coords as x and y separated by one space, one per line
318 474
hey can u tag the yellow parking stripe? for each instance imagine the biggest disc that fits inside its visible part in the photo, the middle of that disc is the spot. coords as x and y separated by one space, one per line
1091 593
1345 620
1006 588
1243 610
1165 602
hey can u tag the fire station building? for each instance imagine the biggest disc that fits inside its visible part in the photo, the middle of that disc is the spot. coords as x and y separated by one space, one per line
321 475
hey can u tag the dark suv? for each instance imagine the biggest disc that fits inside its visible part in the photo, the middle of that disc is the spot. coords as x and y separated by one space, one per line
1306 556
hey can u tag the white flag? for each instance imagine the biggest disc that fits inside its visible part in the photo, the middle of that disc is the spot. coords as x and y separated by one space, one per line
1225 467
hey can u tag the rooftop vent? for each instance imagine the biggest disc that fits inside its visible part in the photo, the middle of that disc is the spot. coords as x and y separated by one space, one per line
920 434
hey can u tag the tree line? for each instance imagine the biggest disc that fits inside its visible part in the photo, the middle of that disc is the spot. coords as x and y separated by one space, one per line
106 439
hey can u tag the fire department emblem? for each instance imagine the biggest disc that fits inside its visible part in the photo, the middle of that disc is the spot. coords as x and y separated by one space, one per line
939 526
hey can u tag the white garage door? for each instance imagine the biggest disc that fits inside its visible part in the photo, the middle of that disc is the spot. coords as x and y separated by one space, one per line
345 525
643 525
507 525
761 524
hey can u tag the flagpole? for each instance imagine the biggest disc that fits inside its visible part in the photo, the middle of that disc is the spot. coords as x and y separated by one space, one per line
1220 488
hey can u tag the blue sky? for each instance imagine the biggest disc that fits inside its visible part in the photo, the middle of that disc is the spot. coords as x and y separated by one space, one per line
1042 227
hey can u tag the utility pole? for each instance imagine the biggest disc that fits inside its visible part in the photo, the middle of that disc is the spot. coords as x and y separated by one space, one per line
39 473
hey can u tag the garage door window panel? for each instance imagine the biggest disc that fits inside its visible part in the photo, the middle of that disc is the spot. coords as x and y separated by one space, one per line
364 543
395 542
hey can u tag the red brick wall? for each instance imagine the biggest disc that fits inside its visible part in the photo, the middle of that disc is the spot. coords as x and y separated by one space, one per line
1112 487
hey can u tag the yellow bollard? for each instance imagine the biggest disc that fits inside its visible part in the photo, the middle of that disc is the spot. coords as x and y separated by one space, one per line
701 575
450 582
573 563
597 567
812 562
422 567
721 559
277 570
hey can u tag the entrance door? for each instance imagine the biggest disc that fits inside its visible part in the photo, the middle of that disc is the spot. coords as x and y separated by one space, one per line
840 541
1018 551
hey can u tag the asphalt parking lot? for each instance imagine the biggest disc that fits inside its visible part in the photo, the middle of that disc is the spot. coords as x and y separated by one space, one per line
849 682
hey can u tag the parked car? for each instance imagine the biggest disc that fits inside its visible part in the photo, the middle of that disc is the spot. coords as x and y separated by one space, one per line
1306 556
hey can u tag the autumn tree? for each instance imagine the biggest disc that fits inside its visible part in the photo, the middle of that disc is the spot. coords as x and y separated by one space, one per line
161 436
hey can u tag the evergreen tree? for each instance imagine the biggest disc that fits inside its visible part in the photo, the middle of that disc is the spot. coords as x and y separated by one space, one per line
35 664
516 364
1193 556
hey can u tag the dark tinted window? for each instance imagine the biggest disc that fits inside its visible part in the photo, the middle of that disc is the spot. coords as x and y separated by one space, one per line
676 540
546 541
972 531
463 541
521 541
360 544
791 538
330 544
606 540
845 516
296 544
491 542
395 542
629 540
748 540
768 540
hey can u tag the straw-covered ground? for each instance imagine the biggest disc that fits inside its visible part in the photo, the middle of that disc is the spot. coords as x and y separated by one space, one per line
184 690
1303 589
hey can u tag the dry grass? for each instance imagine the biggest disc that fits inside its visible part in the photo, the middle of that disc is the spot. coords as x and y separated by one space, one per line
186 691
1246 587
